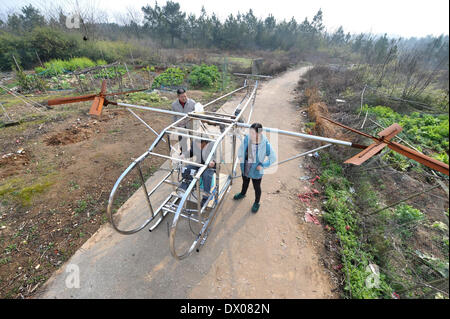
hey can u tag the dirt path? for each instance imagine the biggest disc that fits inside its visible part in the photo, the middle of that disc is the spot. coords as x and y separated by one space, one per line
266 255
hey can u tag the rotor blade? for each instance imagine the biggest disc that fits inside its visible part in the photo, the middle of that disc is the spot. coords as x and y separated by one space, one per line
419 157
97 105
72 99
363 156
388 133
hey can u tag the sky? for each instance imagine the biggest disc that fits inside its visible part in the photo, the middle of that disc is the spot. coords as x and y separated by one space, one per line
406 18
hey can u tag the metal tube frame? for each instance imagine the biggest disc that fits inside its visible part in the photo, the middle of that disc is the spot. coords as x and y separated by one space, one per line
218 193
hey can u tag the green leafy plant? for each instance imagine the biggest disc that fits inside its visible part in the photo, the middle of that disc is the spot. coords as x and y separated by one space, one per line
425 130
204 76
57 67
110 73
170 77
143 97
340 215
29 82
407 218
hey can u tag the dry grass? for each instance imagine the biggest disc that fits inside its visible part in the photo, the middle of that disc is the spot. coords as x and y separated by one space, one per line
318 109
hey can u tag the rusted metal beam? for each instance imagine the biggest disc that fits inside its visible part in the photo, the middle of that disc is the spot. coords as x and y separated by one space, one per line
99 100
419 157
384 140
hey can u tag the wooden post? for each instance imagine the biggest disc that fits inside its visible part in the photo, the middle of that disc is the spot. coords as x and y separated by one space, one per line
92 80
129 77
101 51
106 76
119 79
4 111
17 64
149 78
79 82
39 59
223 73
132 59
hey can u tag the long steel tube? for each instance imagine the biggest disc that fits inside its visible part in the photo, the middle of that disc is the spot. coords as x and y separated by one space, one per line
307 136
143 122
191 136
246 103
148 108
302 154
223 96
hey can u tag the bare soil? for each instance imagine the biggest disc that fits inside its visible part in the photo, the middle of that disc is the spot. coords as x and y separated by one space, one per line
56 171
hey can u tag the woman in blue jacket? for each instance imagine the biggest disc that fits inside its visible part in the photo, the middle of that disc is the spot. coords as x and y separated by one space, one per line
252 155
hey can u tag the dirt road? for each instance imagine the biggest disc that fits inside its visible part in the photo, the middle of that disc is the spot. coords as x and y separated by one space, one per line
263 255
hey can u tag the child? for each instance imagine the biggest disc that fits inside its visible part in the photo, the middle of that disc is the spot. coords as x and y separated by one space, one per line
252 155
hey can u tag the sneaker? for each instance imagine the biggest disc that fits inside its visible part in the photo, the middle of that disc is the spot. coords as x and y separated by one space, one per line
238 196
255 207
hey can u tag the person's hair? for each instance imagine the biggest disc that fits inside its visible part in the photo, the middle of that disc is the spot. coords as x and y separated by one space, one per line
257 127
181 91
201 140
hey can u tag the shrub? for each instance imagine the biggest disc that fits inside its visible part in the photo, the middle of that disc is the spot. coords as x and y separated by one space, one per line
204 76
170 77
29 82
57 66
51 44
78 64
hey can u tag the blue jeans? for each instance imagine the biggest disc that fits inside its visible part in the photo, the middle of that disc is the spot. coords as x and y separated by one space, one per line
207 176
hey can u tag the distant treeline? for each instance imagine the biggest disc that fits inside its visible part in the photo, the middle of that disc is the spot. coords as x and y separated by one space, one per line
30 35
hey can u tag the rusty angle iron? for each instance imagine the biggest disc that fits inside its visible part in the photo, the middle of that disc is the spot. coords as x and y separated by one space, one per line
384 140
99 100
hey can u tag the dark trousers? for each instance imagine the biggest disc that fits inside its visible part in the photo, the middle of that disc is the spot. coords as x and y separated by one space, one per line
256 185
207 176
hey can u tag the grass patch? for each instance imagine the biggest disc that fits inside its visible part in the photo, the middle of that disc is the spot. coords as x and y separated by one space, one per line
16 190
240 62
340 214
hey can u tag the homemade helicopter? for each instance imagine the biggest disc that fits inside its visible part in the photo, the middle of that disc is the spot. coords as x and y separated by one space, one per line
188 203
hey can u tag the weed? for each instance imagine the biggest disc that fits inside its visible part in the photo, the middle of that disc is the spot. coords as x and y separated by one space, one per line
340 214
81 206
73 185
